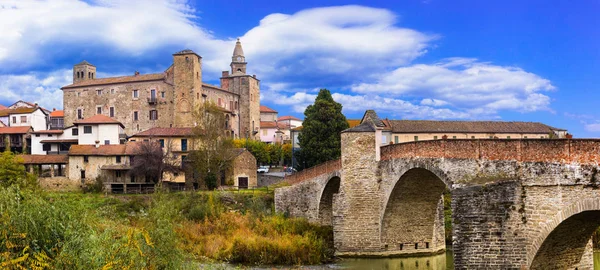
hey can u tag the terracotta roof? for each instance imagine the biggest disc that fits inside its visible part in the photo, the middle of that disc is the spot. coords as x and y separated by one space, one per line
2 107
15 130
104 150
20 110
98 119
351 123
52 131
272 124
60 113
44 159
265 109
166 132
60 141
288 117
427 126
114 80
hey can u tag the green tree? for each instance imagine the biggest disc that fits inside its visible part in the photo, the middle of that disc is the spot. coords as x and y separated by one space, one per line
287 153
212 149
320 138
12 172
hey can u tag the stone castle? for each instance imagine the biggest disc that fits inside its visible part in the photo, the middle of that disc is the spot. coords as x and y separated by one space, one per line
166 99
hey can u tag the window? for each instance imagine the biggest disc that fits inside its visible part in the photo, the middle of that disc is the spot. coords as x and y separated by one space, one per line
85 159
135 116
236 105
435 137
135 94
118 174
525 137
78 94
395 139
183 157
231 105
153 94
14 119
162 143
264 132
75 131
23 119
82 175
98 110
50 135
219 102
472 137
112 91
37 135
106 141
162 94
79 114
183 144
491 137
87 129
99 92
508 137
416 138
453 137
118 159
153 114
46 147
111 112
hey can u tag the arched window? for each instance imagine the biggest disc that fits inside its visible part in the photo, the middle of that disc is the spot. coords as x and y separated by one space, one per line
227 121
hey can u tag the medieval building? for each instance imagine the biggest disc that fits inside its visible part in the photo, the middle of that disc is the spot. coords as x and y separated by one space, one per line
167 99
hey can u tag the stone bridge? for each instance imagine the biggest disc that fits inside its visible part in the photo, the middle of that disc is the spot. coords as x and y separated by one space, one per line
516 204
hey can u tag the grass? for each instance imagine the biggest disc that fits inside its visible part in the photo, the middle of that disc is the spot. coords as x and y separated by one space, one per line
74 230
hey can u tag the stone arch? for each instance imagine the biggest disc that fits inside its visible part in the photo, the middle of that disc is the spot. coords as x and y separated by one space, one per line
325 209
562 241
184 105
412 220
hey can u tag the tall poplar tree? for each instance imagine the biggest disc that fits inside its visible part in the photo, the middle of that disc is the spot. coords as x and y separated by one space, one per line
320 139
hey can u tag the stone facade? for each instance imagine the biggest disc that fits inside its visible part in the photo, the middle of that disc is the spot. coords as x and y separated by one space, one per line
166 99
517 204
244 166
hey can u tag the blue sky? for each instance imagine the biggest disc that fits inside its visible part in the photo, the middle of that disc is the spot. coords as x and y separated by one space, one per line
498 60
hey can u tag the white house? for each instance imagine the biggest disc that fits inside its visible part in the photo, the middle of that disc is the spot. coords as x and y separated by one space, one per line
47 142
35 117
99 129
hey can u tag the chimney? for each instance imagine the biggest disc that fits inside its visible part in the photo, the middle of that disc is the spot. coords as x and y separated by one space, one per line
97 143
35 104
224 73
136 73
254 76
53 109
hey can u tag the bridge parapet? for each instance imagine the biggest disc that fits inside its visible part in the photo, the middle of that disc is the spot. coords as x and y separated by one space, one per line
312 172
582 151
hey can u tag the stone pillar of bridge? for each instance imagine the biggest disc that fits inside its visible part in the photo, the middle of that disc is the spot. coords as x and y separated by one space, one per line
356 221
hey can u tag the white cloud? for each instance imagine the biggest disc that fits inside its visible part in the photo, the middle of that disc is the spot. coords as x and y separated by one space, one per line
593 127
41 88
466 83
433 102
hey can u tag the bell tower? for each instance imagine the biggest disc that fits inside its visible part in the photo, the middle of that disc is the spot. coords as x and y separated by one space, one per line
238 60
83 71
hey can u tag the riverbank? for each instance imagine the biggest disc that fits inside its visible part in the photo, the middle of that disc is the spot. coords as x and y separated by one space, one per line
162 230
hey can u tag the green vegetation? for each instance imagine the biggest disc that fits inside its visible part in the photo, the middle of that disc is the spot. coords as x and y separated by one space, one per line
267 153
45 230
320 139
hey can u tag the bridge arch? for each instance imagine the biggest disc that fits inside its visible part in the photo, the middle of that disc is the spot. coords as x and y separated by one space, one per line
412 220
562 241
325 209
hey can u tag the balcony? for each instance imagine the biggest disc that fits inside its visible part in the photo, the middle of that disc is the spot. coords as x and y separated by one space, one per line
152 100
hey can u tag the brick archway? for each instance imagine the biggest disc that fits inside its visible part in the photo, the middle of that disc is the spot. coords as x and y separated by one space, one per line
563 239
412 220
325 209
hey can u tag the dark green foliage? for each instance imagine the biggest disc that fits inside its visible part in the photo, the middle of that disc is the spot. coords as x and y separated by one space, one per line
211 181
320 137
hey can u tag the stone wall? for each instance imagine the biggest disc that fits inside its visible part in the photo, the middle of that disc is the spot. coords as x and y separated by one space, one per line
265 180
244 165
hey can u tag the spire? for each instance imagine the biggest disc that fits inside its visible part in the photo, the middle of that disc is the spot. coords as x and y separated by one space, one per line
238 49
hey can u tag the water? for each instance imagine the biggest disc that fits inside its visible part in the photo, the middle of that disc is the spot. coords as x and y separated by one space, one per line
437 262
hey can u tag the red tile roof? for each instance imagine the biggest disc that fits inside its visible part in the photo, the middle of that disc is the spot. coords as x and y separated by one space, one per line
44 159
104 150
2 107
272 124
166 132
288 117
265 109
60 113
20 110
15 130
98 119
114 80
60 141
52 131
429 126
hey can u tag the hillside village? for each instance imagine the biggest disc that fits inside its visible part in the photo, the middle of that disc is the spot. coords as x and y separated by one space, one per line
103 121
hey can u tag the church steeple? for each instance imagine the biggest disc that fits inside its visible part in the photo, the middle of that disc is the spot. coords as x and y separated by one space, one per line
238 60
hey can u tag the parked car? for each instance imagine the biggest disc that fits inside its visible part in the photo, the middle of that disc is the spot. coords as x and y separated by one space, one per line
289 170
263 169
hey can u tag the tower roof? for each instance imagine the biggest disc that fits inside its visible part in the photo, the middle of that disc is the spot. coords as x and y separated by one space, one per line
238 51
85 63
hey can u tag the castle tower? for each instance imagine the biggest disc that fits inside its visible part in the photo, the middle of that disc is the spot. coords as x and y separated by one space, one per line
248 87
238 61
83 71
187 78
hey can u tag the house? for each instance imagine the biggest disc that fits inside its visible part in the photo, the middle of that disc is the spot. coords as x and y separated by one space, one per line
110 163
54 141
99 129
15 139
176 143
57 119
35 117
272 132
267 114
242 174
290 121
